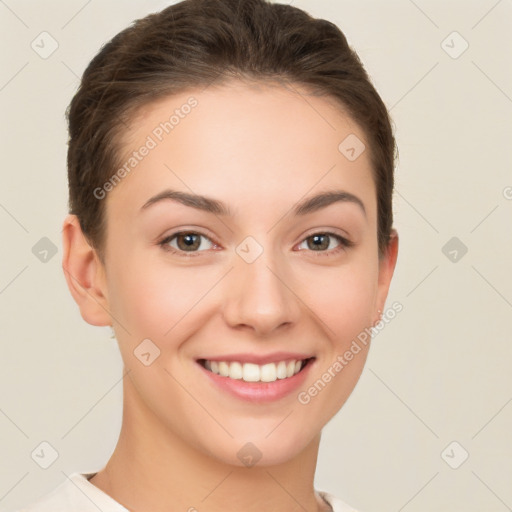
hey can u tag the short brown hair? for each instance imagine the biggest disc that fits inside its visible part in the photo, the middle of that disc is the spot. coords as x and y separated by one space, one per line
191 44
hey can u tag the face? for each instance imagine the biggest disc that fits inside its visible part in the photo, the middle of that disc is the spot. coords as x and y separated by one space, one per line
228 308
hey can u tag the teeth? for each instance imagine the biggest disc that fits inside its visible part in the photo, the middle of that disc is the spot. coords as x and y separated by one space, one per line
223 369
268 372
250 372
281 370
235 370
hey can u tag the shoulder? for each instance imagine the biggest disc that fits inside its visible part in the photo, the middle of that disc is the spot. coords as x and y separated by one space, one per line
336 504
75 494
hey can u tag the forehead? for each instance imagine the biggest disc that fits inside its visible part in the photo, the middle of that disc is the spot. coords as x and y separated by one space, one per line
248 144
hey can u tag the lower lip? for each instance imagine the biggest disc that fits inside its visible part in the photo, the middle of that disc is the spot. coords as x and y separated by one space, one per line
259 391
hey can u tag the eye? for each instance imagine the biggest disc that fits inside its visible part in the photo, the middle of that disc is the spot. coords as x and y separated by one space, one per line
321 243
189 243
186 242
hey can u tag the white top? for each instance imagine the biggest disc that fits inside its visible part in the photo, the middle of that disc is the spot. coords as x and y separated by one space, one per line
77 494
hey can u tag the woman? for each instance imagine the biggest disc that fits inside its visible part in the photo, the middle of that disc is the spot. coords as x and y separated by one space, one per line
230 175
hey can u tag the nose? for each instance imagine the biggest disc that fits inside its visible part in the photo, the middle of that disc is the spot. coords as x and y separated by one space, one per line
261 296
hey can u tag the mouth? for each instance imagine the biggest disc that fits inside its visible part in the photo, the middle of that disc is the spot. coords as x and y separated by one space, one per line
256 373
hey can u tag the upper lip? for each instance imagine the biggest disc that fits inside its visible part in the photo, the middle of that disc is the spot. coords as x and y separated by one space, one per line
259 358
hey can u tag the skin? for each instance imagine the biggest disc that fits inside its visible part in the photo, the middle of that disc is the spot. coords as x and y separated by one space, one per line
260 149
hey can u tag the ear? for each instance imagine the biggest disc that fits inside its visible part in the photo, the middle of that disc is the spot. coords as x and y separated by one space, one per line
386 268
84 274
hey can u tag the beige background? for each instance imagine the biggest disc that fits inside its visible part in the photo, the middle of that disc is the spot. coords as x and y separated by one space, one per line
438 373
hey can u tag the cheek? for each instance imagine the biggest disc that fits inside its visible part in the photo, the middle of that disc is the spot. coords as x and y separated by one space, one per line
342 298
154 300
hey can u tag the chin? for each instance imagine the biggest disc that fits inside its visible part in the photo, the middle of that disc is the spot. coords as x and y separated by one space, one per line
262 450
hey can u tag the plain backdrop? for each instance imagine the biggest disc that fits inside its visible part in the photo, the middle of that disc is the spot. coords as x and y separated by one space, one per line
429 424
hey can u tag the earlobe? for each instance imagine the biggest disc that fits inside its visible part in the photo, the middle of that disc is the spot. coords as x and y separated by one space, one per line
84 274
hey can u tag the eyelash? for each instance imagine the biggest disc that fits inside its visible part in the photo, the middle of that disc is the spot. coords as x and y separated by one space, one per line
344 244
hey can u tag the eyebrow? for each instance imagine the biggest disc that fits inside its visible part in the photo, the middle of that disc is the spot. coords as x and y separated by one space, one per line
207 204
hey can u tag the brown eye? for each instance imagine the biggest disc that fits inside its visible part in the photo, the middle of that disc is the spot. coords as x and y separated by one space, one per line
322 243
318 242
186 241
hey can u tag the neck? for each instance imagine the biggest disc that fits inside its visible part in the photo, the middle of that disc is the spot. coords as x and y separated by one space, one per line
154 469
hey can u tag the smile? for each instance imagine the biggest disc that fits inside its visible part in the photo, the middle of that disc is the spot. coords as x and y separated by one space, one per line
251 372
